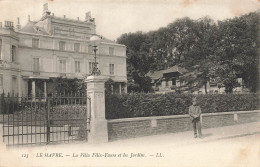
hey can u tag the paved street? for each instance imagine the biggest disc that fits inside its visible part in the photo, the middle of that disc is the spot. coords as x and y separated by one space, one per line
237 145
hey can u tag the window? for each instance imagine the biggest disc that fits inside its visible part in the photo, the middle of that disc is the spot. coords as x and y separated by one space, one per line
77 66
91 65
35 43
111 69
90 49
62 66
212 80
174 81
1 82
111 51
36 65
76 47
13 53
62 45
14 85
86 48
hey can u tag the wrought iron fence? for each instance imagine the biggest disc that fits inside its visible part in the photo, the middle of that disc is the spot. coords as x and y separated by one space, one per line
57 119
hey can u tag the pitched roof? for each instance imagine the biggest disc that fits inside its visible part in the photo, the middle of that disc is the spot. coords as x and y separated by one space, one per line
155 75
174 69
159 74
104 39
30 27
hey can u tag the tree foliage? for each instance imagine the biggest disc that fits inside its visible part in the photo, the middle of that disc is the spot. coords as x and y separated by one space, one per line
207 49
67 86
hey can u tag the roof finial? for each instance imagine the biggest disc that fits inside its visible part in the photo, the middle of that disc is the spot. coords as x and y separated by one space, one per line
45 7
18 26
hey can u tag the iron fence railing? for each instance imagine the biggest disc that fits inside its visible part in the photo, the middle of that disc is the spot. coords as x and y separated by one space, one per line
55 119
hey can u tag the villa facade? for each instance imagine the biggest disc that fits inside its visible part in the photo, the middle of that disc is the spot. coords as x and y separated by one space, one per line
55 47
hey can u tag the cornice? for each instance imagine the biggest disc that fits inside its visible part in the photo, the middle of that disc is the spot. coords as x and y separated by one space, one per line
69 52
11 36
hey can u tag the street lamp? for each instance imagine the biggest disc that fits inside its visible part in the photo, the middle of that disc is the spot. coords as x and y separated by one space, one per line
95 41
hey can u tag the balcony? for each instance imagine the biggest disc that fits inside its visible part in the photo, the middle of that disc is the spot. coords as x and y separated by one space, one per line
7 64
36 73
63 75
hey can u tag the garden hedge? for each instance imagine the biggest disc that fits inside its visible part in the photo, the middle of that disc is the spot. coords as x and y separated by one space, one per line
145 105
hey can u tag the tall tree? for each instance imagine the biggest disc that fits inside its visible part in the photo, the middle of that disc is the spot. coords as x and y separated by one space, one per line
224 50
137 60
237 51
200 57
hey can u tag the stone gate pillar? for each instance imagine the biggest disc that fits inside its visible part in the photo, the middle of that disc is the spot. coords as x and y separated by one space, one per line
98 123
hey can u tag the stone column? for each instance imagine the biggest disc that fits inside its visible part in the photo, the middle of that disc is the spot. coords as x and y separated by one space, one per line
112 89
45 89
98 123
120 89
126 88
33 90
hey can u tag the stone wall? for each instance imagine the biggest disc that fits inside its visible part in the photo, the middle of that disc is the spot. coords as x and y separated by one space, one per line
145 126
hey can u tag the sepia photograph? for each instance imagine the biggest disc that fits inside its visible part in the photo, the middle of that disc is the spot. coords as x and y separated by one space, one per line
128 83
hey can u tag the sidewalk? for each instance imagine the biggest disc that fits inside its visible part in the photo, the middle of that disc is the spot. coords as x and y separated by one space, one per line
184 138
218 145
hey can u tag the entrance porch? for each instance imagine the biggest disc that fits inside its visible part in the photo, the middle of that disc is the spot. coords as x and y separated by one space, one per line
37 89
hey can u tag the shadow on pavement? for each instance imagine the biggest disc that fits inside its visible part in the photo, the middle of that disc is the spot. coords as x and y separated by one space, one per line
206 135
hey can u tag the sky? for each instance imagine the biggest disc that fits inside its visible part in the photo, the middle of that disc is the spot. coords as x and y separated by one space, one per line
116 17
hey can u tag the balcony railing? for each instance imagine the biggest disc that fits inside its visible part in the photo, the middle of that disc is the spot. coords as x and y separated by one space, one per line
36 73
62 74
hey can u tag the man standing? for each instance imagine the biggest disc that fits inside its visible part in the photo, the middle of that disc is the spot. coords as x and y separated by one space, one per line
195 112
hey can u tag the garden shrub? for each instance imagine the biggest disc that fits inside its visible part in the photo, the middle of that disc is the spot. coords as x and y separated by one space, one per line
145 105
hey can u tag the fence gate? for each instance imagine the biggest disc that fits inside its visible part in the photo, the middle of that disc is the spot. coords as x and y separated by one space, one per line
43 121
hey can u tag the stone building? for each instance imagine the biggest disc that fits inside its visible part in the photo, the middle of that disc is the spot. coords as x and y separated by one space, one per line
55 47
165 81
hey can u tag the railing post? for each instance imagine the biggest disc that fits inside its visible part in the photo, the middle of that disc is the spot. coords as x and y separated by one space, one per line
48 120
88 103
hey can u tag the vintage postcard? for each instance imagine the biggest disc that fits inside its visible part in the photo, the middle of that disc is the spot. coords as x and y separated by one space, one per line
129 83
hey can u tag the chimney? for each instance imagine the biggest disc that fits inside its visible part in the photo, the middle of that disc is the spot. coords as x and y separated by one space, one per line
64 16
29 18
78 18
9 25
87 16
46 10
52 14
18 26
0 24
